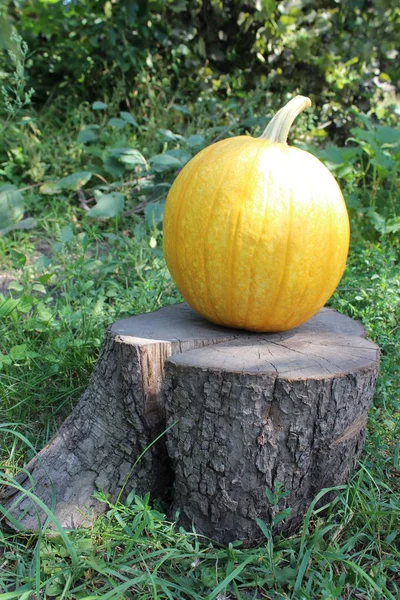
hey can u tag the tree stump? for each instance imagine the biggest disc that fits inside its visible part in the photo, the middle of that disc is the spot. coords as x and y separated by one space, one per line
244 411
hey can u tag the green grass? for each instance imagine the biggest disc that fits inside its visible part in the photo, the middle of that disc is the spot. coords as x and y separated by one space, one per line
133 552
72 275
349 550
55 316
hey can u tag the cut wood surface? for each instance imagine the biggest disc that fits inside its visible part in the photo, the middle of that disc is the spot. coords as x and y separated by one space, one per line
245 412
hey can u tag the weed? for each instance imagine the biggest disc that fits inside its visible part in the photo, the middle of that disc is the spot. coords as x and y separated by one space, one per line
15 97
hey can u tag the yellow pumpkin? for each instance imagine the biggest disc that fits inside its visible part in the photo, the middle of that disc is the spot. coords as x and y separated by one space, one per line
256 232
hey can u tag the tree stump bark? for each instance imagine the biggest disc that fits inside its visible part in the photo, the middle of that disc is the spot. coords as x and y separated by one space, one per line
245 411
118 416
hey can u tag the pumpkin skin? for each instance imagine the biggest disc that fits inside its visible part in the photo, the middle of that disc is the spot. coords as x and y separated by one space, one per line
256 234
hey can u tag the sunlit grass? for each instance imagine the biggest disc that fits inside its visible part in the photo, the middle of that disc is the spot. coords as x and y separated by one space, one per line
348 549
72 277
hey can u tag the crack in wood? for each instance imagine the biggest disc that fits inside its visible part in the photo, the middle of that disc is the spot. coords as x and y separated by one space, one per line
351 431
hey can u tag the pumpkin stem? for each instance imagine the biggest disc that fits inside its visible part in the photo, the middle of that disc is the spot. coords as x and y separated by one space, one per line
277 129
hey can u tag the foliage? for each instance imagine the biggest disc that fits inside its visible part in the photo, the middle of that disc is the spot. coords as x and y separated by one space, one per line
345 53
14 96
130 163
368 168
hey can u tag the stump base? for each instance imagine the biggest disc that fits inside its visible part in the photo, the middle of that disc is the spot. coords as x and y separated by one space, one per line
245 411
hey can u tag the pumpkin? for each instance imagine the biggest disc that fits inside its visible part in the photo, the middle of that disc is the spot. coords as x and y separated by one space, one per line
256 232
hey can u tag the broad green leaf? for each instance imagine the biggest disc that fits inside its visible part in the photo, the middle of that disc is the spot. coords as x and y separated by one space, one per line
11 207
378 221
15 285
350 154
393 225
126 116
181 154
340 170
331 154
116 123
383 161
5 359
74 181
18 259
387 135
153 213
107 205
38 287
113 166
352 200
18 352
133 158
129 156
99 106
170 135
28 223
49 188
86 135
195 141
362 135
42 262
44 313
67 234
26 303
165 162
